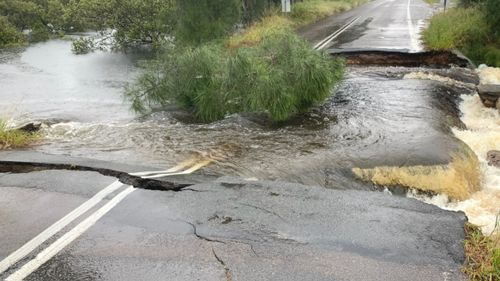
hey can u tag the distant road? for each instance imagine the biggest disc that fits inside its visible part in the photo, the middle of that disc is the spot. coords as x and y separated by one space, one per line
380 24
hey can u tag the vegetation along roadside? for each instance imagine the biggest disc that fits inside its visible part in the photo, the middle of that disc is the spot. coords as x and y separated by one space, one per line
473 27
13 138
482 254
215 69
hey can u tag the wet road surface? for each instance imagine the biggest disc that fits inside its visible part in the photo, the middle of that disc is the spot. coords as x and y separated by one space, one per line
380 24
232 228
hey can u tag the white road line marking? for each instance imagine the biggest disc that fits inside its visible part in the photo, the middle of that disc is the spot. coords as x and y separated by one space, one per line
177 168
65 221
56 227
411 30
323 43
188 171
67 238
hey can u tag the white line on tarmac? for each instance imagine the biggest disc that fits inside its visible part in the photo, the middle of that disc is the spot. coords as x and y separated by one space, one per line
177 168
62 223
194 168
323 43
67 238
411 30
56 227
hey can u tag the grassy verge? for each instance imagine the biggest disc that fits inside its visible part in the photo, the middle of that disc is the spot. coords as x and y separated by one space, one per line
309 11
467 29
303 13
482 255
15 138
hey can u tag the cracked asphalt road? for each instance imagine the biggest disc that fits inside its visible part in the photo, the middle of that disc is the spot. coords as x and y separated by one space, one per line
231 229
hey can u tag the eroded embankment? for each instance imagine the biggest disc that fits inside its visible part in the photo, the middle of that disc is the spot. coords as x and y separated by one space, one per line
468 183
401 58
459 179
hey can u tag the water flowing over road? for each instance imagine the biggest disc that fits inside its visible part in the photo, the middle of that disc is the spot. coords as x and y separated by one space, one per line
377 117
407 131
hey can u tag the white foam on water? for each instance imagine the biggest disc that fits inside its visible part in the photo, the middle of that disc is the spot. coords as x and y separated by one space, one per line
489 75
421 75
70 130
482 135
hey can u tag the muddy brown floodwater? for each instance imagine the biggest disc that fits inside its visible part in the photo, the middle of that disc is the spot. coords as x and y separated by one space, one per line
377 118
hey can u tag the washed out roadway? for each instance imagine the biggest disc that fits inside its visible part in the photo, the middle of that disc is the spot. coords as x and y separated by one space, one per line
230 229
235 229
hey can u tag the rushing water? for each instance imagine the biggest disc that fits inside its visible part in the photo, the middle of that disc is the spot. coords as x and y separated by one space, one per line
482 135
376 118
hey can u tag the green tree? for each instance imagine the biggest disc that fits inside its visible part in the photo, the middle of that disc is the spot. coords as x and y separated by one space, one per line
54 15
206 20
22 14
41 17
8 33
133 22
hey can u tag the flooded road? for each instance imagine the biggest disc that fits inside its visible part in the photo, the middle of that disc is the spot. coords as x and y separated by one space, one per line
377 117
46 81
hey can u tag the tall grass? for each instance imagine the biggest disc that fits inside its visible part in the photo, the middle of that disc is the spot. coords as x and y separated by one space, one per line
281 76
15 138
254 33
303 13
468 29
455 27
482 254
308 11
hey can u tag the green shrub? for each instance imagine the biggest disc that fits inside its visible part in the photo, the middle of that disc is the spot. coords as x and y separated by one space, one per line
282 76
293 77
9 35
480 53
492 55
82 45
492 12
39 33
455 28
473 30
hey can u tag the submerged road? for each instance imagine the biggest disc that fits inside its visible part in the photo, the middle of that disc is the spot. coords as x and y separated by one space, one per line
76 225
